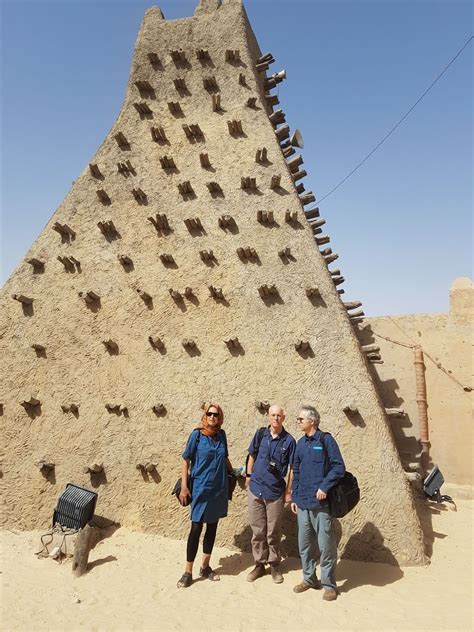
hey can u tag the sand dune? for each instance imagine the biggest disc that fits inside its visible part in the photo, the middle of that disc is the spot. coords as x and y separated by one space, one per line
131 585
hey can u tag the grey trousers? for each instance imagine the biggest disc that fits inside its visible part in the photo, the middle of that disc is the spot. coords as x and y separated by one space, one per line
315 535
265 520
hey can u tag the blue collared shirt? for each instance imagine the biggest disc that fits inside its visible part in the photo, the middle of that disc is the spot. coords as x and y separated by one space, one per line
315 466
280 450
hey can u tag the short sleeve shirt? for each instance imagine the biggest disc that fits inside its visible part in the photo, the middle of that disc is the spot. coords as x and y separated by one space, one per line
268 481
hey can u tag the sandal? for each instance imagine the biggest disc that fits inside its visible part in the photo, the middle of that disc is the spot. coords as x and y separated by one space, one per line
208 573
185 581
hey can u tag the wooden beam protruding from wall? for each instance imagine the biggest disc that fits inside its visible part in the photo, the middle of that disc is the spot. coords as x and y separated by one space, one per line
167 163
160 222
216 292
275 182
64 230
70 408
226 221
107 228
247 253
122 141
90 297
156 342
193 131
267 290
37 265
95 171
175 108
261 155
158 135
235 127
45 465
167 259
21 298
248 183
265 217
232 56
291 217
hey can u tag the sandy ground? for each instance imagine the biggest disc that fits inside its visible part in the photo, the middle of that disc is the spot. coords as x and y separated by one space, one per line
131 585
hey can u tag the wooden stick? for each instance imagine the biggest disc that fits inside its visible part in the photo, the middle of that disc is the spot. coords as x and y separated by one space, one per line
294 163
352 305
313 212
395 412
351 409
370 348
297 175
81 551
22 299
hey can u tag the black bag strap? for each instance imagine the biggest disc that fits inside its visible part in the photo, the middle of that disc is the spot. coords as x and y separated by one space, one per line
260 433
225 441
259 436
197 438
323 441
323 435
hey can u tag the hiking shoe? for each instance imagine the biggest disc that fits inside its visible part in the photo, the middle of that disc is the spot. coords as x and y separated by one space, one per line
276 573
303 586
329 595
255 573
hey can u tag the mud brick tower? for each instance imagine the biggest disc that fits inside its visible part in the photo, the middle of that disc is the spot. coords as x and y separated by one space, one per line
188 264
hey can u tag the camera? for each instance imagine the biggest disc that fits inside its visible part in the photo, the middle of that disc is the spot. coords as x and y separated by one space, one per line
272 467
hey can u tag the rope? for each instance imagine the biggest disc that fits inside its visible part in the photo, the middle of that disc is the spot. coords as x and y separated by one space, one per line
438 365
395 342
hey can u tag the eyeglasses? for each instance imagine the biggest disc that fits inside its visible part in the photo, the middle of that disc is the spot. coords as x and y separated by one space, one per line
299 420
211 414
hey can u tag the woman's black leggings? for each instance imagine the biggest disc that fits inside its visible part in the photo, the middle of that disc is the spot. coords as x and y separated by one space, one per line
193 539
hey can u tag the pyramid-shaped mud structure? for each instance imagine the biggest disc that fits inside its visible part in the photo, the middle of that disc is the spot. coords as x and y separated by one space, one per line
186 264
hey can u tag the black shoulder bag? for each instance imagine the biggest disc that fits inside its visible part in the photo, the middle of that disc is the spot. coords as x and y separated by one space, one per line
344 496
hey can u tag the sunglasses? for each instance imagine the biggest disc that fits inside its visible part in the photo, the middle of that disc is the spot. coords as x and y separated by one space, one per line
211 414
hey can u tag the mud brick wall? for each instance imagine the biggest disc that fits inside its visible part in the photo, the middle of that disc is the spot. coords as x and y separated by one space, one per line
186 264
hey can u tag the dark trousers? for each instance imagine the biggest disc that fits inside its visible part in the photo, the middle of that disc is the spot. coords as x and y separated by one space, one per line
193 539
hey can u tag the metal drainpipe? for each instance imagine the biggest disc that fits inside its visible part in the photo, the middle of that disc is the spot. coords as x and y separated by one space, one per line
422 408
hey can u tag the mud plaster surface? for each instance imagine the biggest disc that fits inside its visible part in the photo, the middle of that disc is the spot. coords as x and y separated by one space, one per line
446 340
78 369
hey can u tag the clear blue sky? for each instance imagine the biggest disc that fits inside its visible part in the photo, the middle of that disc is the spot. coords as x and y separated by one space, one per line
402 224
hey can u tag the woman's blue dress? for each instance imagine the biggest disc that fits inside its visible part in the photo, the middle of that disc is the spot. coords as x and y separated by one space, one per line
209 482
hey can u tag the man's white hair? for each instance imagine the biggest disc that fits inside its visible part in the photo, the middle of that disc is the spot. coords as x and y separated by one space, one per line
310 412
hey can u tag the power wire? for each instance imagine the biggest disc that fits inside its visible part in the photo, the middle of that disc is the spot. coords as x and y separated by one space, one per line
397 124
437 364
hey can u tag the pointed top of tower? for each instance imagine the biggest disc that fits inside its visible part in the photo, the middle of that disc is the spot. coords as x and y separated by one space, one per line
155 12
206 6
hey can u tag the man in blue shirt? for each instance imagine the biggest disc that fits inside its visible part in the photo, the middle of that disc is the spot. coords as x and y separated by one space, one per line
317 466
270 458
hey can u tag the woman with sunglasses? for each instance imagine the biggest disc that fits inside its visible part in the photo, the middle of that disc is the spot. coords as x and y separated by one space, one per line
207 457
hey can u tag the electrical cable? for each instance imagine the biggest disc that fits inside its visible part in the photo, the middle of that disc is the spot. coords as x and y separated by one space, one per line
438 365
398 123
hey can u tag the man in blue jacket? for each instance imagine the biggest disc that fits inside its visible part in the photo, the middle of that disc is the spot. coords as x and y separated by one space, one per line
270 459
317 466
